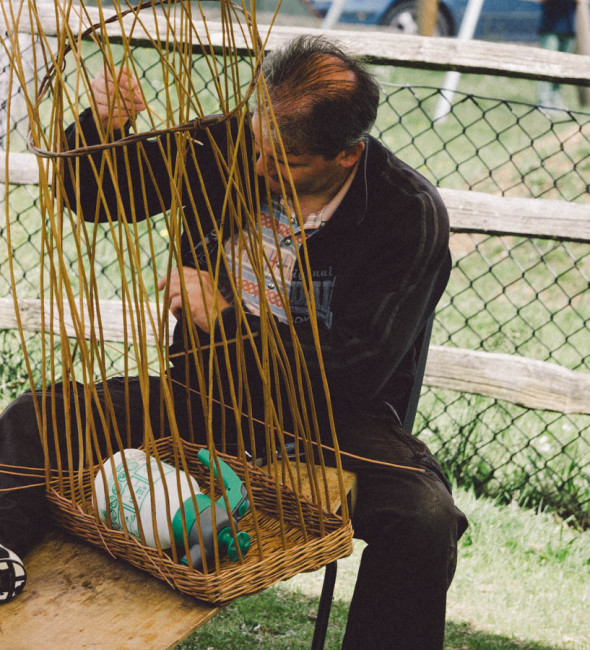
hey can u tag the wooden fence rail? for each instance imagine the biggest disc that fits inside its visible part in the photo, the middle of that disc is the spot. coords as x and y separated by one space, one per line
469 211
527 382
379 46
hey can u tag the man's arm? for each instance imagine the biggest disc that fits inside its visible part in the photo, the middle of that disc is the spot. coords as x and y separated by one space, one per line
100 185
139 179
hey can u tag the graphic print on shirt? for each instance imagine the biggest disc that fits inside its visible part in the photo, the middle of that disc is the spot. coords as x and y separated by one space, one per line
323 281
274 261
281 227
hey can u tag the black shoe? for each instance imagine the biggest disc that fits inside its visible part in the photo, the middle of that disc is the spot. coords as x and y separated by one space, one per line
12 574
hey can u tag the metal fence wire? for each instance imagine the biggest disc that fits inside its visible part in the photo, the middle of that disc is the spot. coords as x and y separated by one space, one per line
517 295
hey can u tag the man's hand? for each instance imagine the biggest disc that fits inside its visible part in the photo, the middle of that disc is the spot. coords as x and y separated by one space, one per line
119 97
204 302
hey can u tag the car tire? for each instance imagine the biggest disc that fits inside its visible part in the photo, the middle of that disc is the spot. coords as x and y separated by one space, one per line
402 17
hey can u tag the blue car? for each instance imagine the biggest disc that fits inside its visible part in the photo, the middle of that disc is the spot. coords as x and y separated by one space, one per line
500 20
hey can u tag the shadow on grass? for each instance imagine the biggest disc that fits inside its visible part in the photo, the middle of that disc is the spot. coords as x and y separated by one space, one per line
280 619
277 618
462 636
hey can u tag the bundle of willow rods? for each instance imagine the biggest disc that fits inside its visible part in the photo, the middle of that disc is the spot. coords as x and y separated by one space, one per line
196 66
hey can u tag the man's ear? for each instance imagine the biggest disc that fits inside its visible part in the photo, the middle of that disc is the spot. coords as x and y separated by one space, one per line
349 157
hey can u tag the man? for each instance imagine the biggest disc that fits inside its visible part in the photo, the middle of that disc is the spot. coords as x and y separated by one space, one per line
376 240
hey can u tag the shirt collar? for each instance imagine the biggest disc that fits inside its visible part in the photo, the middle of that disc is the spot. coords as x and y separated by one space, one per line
316 220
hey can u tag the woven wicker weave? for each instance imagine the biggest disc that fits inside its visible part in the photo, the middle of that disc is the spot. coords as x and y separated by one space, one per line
305 548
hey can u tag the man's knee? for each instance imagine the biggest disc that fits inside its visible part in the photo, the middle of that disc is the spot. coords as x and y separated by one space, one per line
417 521
18 422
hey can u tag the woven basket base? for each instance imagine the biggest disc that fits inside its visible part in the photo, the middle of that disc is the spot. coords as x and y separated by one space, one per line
321 539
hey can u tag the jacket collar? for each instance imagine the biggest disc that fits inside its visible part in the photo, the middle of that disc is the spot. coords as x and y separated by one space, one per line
355 205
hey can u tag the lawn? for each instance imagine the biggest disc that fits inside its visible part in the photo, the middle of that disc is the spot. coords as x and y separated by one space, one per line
523 581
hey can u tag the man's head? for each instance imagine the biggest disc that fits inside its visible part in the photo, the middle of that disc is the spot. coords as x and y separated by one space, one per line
325 103
324 100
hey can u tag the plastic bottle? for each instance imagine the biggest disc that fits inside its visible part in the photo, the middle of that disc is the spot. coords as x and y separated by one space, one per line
161 474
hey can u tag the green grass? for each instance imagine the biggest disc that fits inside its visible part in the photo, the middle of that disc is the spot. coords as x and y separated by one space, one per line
484 143
14 378
523 581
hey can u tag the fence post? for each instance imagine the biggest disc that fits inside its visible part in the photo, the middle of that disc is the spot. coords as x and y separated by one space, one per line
427 17
333 15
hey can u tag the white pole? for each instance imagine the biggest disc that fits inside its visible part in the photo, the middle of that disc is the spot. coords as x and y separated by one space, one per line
333 15
466 31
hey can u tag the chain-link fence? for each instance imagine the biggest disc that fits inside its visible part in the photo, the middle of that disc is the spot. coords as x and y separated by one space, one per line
517 295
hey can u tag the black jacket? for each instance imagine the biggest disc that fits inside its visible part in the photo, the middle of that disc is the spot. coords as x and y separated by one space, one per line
379 265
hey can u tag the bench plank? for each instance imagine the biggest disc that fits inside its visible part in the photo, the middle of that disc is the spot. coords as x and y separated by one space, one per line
77 597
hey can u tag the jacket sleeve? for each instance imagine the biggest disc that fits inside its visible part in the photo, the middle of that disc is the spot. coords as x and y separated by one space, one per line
139 179
101 185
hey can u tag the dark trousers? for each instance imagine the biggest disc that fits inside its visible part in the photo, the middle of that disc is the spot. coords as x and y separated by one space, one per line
408 519
411 526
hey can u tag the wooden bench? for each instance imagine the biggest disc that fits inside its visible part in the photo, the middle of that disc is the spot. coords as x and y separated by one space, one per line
78 596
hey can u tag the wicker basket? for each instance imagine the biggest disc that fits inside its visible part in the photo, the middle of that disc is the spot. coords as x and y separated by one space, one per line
281 550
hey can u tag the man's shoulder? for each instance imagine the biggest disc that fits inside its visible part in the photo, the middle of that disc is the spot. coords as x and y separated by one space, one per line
397 183
394 171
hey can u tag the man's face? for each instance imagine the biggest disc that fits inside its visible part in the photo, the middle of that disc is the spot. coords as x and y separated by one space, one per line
312 174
